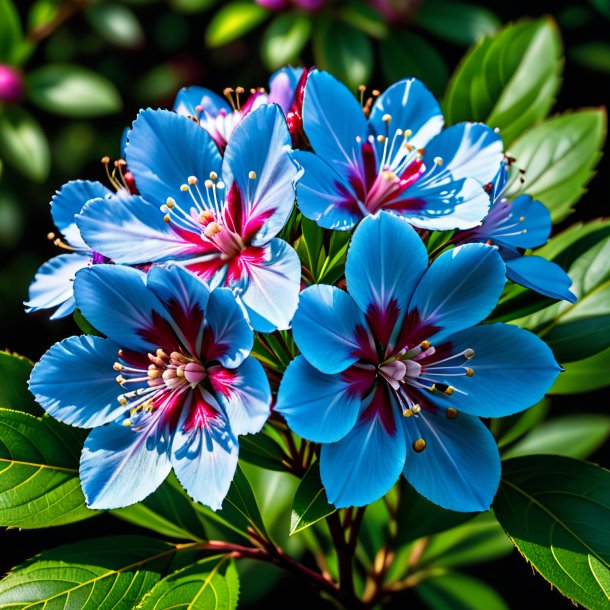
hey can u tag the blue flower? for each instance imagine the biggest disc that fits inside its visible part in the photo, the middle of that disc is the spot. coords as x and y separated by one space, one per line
186 384
398 160
219 117
394 376
515 226
219 217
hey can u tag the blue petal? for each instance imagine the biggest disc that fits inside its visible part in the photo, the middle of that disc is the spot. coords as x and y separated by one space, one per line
189 98
467 150
245 395
261 144
75 382
231 335
325 196
380 278
273 285
53 283
164 149
329 328
69 201
364 465
411 106
130 230
321 408
460 288
120 466
115 300
282 86
540 275
204 456
513 369
529 225
460 467
332 120
499 182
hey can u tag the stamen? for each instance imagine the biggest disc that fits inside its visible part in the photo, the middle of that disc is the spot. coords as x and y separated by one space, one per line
419 445
252 175
451 413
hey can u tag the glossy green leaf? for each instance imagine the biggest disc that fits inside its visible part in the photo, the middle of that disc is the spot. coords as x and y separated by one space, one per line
418 517
11 33
457 22
584 375
168 511
508 429
343 50
559 157
363 16
556 511
210 584
83 324
455 591
39 484
233 21
73 91
111 573
262 450
508 81
576 435
284 39
406 54
14 374
115 23
23 144
310 503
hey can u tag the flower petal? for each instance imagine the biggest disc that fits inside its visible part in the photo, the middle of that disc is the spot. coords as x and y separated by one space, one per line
329 329
69 201
115 300
540 275
163 150
230 339
120 466
319 407
75 382
272 286
324 195
204 450
459 469
365 464
529 225
380 278
282 86
333 119
411 106
460 288
257 159
52 286
189 99
244 393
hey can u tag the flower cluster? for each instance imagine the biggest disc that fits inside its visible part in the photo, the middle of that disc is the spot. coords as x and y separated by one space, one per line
190 256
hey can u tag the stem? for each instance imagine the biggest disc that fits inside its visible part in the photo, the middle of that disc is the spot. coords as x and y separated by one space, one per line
344 556
65 11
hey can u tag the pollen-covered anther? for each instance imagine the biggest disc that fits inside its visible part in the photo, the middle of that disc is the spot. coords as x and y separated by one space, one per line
119 379
469 372
252 175
220 185
50 236
205 216
162 354
386 118
362 88
449 390
117 366
388 175
521 218
469 353
122 400
184 188
166 218
451 413
408 133
105 159
213 176
212 229
424 344
416 409
209 184
192 180
375 92
419 445
381 138
438 161
154 373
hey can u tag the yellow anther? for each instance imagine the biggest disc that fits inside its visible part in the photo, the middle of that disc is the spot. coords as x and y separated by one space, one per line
127 423
399 132
117 366
212 229
180 371
389 175
161 353
521 218
409 146
239 90
205 216
424 344
469 353
213 176
209 184
407 413
419 445
252 175
438 161
184 188
51 235
449 390
421 151
375 92
469 372
362 88
416 409
122 400
451 413
120 379
170 202
154 374
105 160
380 138
408 133
166 218
524 231
192 180
386 118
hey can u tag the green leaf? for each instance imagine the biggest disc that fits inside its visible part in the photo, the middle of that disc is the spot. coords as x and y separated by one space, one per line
365 17
576 435
262 450
14 374
233 21
418 517
206 585
310 503
41 12
405 54
457 22
556 511
191 6
23 143
508 81
559 157
344 51
11 33
284 39
73 91
104 573
116 24
594 55
508 429
455 591
84 325
584 375
39 484
168 511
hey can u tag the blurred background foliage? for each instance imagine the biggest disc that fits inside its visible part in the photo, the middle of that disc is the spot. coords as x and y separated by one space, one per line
73 74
